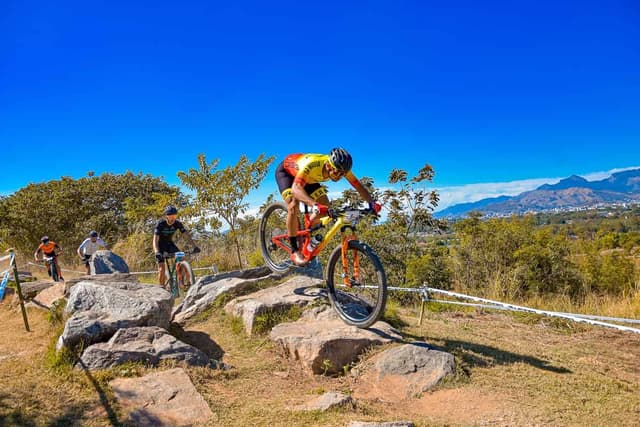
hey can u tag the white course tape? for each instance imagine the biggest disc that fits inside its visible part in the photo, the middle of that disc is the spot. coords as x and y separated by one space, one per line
574 317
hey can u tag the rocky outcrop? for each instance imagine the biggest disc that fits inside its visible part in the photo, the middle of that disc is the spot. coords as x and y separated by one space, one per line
299 291
203 294
403 372
106 262
47 298
97 309
166 398
31 289
150 345
324 344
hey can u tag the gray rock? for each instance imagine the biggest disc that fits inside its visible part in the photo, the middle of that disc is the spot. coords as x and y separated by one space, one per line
313 270
327 345
31 289
106 262
403 372
166 398
325 402
98 309
207 289
298 291
48 297
149 345
23 276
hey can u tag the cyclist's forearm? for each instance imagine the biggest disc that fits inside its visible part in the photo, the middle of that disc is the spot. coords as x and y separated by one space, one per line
364 193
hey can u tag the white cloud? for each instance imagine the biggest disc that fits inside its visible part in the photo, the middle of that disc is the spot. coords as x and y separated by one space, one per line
473 192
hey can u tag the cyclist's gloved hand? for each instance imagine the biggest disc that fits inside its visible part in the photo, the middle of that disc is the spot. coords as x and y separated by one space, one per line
322 210
195 250
159 257
375 207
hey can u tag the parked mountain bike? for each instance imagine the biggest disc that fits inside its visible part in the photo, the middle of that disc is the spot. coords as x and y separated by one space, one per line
356 281
52 267
179 273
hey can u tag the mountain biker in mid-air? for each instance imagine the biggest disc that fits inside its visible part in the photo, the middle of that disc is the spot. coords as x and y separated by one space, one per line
89 246
163 239
50 249
299 177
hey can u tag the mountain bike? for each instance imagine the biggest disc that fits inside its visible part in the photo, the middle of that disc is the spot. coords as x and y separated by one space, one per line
356 281
52 267
178 272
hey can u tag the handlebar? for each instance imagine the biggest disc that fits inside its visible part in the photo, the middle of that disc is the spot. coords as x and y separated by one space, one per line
167 255
352 215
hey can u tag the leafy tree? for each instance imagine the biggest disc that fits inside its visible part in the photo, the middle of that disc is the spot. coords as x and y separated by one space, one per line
221 192
511 258
431 268
409 216
66 209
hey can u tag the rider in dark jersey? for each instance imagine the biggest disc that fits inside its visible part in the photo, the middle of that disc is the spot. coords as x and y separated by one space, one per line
163 239
299 177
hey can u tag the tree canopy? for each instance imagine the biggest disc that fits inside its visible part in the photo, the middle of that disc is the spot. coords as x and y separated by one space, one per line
67 209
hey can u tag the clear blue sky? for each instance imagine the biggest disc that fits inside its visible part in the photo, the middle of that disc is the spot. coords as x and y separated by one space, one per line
486 92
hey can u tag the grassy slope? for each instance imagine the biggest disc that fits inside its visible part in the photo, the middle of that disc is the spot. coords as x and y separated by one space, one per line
513 370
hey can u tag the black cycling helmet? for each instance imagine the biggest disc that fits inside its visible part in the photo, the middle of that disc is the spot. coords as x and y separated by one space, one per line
44 239
93 233
170 210
340 159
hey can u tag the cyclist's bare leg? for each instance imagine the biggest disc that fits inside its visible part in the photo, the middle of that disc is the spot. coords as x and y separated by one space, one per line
292 229
161 274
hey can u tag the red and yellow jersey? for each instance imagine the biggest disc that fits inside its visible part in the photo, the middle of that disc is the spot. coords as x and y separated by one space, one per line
48 248
307 168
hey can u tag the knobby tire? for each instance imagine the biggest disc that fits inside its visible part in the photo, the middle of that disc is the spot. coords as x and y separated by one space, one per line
357 305
54 271
274 223
185 277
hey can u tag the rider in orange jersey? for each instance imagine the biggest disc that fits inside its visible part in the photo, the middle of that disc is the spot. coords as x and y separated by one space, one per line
299 177
48 248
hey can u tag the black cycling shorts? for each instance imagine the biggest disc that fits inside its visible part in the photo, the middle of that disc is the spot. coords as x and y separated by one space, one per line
168 247
285 181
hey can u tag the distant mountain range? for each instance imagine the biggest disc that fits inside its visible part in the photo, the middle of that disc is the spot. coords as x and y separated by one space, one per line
571 193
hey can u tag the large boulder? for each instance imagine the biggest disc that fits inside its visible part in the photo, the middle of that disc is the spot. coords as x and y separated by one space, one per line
299 291
149 345
31 289
208 289
324 344
98 309
106 262
166 398
403 372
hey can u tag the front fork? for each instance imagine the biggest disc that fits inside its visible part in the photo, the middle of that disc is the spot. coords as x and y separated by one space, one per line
347 278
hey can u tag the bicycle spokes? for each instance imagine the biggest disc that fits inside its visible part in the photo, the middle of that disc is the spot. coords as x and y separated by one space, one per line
357 287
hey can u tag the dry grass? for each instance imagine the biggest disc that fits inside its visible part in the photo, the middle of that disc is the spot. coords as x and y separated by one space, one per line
512 370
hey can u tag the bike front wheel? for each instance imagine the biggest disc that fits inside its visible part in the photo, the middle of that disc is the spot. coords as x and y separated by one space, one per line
274 223
54 272
356 284
185 278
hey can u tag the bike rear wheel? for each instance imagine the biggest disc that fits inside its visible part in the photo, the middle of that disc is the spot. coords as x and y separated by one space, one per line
185 277
274 223
362 302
